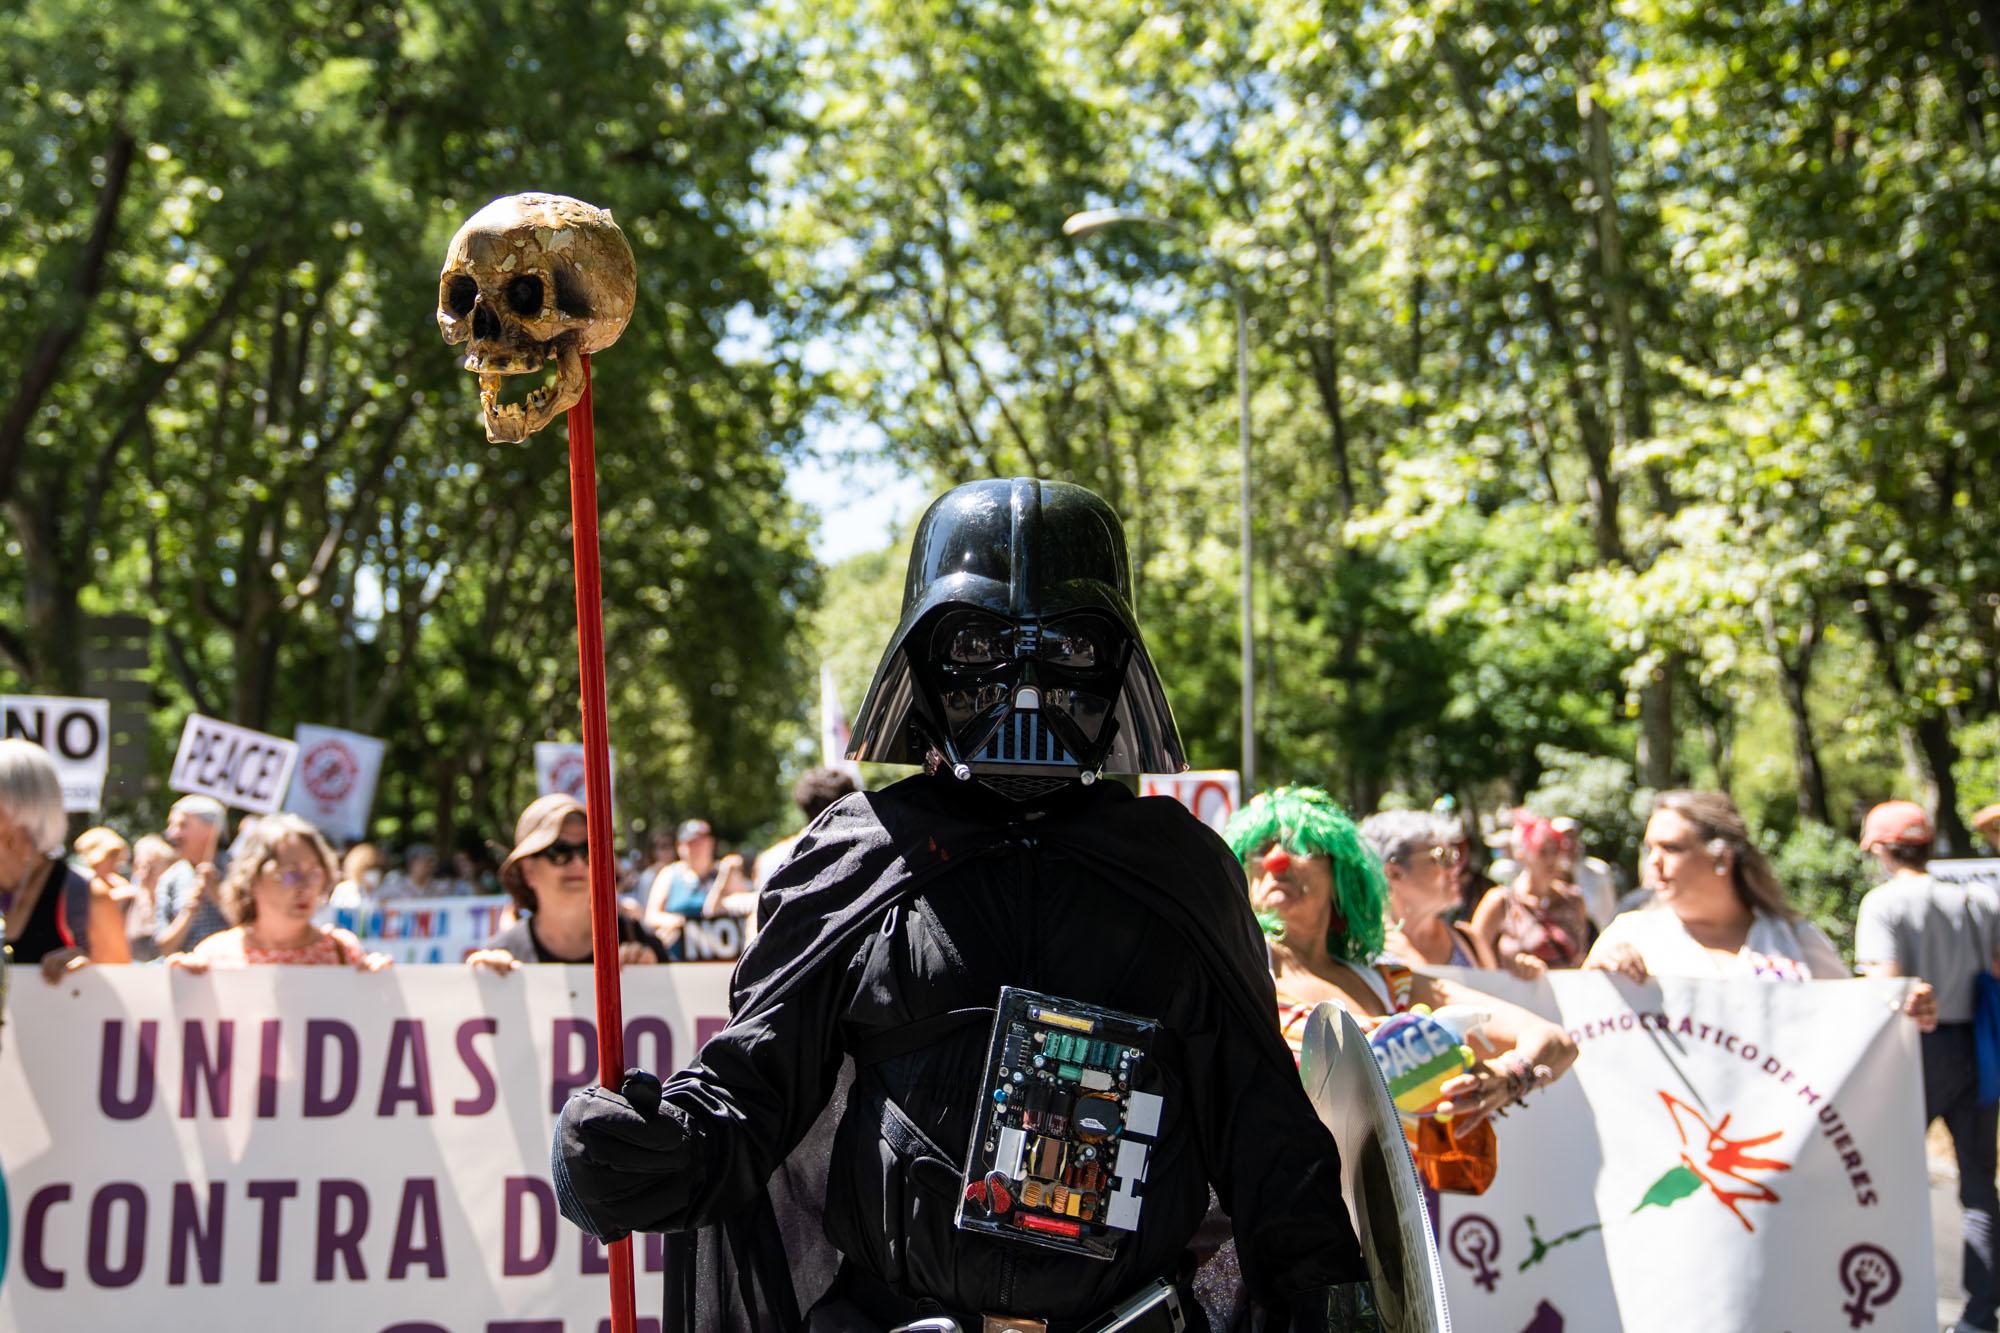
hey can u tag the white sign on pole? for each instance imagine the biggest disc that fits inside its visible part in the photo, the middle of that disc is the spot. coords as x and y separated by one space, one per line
1741 1154
313 1147
559 768
834 733
1213 794
75 732
237 766
334 785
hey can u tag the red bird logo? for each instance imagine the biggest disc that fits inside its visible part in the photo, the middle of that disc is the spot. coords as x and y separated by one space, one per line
1722 1159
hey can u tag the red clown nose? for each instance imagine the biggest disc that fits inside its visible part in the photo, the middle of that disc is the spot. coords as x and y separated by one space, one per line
1277 861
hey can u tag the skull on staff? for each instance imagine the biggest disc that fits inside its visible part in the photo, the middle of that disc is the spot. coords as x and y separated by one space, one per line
529 280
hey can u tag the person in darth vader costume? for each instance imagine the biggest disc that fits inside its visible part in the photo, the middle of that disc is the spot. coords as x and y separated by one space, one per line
809 1165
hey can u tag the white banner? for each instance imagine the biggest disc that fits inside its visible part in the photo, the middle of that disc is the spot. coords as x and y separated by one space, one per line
334 786
559 768
1213 794
237 766
311 1147
1729 1155
425 930
834 734
75 732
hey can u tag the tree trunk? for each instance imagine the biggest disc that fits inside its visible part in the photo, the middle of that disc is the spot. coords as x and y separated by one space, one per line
1794 684
1656 728
1940 753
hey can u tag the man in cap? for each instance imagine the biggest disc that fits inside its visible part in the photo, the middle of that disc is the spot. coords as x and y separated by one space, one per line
1986 823
1006 1025
1917 926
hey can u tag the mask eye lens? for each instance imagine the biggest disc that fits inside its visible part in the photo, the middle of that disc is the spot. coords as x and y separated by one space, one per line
1076 645
975 642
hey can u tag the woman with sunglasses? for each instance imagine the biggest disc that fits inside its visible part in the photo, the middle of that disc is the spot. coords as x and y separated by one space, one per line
280 872
1421 857
548 875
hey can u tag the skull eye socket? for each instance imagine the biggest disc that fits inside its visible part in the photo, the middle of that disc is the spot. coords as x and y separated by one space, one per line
460 294
524 294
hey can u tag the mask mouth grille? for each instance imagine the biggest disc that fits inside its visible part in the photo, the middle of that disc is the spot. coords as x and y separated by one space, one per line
1016 788
1023 739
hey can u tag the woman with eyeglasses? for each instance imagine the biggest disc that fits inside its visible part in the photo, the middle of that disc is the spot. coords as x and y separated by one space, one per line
280 872
1421 856
548 875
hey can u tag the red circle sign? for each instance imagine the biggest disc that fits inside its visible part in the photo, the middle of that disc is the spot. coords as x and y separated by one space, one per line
330 770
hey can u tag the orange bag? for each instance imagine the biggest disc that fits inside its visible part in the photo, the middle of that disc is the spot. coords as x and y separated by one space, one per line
1453 1163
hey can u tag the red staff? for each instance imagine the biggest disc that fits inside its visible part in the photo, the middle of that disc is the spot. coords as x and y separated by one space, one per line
529 280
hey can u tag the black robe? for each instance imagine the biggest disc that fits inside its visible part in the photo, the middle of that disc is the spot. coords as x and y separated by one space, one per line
814 1108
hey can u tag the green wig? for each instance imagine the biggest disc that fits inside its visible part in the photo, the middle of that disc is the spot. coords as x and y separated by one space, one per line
1305 821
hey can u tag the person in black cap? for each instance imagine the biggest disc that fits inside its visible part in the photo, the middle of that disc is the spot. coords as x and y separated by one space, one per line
1006 1026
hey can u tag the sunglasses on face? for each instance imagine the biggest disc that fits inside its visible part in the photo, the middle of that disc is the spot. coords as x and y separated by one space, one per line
1448 856
562 853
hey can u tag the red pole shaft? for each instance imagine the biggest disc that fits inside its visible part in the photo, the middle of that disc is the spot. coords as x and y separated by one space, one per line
597 793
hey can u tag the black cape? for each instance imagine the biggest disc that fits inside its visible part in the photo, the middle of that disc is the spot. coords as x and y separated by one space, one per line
758 1268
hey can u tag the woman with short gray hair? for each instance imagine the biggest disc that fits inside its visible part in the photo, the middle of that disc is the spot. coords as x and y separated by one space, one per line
1420 853
52 917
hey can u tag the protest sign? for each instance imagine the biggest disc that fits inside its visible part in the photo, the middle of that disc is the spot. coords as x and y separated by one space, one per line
559 768
308 1147
237 766
1213 794
75 732
424 930
1972 870
334 786
1740 1154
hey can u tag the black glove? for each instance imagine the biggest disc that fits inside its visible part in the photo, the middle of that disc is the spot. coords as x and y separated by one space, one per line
1348 1308
618 1161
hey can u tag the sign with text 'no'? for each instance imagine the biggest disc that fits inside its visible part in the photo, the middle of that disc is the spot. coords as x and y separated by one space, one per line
335 783
75 732
237 766
1213 794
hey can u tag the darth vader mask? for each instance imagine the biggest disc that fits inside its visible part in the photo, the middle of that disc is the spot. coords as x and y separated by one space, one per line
1017 660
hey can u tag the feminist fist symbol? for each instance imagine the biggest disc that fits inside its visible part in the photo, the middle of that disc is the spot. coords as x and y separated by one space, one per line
1871 1277
1475 1243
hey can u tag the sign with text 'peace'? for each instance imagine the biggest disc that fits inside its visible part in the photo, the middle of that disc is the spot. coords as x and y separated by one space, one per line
280 1148
237 766
75 732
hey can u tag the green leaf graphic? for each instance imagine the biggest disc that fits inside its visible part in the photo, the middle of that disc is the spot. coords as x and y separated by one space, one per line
1671 1188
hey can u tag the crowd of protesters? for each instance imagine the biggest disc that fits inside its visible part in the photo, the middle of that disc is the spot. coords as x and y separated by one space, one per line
1354 914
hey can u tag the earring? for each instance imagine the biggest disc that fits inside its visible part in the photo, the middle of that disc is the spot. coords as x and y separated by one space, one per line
1721 867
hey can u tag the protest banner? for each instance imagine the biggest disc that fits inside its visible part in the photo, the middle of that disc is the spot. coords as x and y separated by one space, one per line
1213 794
75 732
237 766
308 1147
559 768
1971 870
334 786
424 930
1743 1155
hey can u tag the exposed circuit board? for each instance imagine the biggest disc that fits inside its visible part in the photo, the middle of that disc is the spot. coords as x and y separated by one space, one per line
1059 1155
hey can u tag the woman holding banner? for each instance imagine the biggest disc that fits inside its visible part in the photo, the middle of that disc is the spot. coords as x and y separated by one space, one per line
1718 911
280 872
52 917
548 875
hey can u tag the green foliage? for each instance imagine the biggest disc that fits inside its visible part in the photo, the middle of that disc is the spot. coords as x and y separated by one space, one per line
1824 874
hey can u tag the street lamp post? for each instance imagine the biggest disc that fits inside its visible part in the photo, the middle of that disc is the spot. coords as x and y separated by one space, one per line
1096 220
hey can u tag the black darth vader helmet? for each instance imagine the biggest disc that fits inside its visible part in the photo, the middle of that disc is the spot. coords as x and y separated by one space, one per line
1018 660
